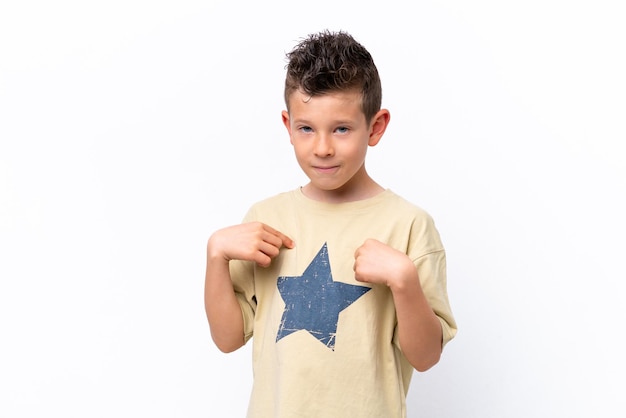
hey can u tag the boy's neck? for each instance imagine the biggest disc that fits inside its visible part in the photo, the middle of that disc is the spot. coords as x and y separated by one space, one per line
343 195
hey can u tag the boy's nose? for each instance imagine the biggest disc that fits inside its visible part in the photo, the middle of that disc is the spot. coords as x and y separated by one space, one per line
323 146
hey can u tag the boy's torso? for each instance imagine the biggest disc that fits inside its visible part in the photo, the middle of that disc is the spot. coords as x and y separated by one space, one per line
324 343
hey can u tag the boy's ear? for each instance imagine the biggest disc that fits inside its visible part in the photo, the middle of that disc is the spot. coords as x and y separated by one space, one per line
285 116
380 121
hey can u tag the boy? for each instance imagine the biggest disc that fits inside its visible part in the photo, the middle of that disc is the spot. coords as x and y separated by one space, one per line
341 282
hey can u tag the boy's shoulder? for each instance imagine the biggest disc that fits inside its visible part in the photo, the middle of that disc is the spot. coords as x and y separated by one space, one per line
271 203
275 199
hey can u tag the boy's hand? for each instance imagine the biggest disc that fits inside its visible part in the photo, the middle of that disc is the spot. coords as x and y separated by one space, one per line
375 262
252 241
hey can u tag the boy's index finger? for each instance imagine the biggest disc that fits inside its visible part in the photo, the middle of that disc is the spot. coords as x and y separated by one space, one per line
287 242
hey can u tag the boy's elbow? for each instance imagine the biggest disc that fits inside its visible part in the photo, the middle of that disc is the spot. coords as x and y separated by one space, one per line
424 366
425 363
227 348
227 345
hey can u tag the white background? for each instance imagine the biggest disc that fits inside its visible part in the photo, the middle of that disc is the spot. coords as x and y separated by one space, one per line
130 130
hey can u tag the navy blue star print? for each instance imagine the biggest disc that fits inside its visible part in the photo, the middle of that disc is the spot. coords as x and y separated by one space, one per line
313 301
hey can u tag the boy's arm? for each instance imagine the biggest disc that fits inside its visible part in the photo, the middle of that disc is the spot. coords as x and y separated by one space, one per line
252 241
419 330
221 305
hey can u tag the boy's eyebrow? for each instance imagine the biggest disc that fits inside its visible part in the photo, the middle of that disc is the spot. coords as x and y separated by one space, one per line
331 122
300 120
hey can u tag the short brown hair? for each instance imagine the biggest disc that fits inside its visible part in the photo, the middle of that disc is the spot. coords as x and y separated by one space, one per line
333 61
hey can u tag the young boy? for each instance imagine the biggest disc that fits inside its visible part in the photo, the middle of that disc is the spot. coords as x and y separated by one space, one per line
341 282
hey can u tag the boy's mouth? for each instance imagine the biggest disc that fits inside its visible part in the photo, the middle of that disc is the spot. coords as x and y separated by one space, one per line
325 169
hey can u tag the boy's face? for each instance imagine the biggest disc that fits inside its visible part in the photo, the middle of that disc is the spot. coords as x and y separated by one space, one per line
330 137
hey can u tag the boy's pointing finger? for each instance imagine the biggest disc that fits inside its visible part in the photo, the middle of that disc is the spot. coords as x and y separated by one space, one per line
285 240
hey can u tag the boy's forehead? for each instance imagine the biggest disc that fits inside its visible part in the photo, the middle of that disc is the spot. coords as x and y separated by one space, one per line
332 107
352 96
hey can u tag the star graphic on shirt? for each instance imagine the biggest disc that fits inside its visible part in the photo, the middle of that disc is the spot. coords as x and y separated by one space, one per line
313 301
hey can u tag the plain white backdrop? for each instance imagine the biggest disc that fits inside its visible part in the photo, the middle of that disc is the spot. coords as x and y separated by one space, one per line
130 130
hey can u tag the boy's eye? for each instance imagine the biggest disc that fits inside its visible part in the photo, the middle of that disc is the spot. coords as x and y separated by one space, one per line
306 129
342 130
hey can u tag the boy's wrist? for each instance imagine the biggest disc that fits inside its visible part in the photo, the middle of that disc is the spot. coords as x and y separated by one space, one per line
214 251
406 279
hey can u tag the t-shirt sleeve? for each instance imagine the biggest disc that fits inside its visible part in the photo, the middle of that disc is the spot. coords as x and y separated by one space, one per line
431 270
242 277
429 256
